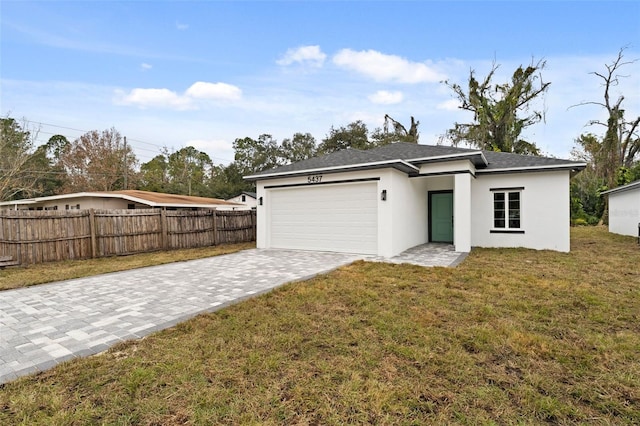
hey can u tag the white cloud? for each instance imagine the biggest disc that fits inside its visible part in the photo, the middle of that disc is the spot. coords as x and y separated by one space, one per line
450 105
214 91
385 97
382 67
144 66
156 98
165 98
181 26
311 55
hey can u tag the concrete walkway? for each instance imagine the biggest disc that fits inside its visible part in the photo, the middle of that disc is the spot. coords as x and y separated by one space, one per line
44 325
431 254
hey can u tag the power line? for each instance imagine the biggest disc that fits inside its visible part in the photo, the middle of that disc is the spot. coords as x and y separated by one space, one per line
51 172
160 147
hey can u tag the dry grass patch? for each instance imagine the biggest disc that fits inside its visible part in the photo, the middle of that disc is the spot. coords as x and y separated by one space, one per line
508 337
16 277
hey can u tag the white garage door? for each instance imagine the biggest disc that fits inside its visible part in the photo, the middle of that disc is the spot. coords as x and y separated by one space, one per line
341 217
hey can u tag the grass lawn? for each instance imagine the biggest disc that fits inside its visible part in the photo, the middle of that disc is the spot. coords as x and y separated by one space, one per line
511 336
17 277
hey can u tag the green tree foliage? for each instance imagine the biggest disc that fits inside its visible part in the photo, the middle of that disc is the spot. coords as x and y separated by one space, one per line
393 131
228 182
154 174
619 148
189 172
51 177
300 147
614 158
354 135
500 111
252 156
96 161
56 146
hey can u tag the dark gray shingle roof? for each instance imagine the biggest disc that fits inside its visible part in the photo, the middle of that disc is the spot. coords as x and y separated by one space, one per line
340 159
417 154
407 150
506 160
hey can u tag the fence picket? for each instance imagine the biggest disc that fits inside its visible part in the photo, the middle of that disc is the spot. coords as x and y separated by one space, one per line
43 236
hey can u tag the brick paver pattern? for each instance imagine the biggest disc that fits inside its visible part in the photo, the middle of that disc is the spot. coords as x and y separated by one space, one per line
44 325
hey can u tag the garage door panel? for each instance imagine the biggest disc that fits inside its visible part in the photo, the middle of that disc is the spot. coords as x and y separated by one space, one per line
328 217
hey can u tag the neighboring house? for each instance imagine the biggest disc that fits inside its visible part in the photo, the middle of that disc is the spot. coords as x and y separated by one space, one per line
129 199
388 199
248 199
624 209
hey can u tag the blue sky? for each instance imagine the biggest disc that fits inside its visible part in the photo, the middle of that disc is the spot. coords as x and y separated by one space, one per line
203 73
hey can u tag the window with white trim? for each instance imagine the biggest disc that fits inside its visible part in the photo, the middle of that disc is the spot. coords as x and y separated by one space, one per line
507 209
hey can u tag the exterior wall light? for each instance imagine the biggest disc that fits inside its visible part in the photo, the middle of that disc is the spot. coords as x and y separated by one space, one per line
383 195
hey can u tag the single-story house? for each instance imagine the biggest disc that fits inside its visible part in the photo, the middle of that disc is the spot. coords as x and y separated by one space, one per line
127 199
388 199
245 198
624 209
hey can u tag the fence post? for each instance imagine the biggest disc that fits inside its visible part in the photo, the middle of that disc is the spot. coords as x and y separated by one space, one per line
215 227
164 240
254 225
92 232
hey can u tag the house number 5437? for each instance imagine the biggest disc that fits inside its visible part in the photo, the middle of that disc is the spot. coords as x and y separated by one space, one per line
314 179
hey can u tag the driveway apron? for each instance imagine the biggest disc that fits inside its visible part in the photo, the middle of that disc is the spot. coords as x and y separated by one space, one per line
44 325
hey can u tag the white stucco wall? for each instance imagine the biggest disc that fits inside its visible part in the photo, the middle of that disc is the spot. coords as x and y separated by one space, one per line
403 217
462 212
249 201
385 231
544 210
408 198
624 212
447 167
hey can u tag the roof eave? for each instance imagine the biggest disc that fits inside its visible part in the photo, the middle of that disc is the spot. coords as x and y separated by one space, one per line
113 195
448 157
208 206
397 164
627 187
555 167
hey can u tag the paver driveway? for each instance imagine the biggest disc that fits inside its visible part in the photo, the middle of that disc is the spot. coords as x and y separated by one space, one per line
44 325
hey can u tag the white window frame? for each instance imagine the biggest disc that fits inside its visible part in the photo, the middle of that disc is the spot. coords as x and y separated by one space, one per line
507 210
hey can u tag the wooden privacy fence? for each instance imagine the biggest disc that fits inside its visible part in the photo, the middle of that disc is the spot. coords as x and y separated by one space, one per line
45 236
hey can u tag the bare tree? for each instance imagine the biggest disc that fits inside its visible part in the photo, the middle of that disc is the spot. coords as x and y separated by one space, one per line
620 145
399 130
16 150
94 162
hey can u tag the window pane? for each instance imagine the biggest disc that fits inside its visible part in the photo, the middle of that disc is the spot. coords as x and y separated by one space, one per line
514 210
499 210
514 201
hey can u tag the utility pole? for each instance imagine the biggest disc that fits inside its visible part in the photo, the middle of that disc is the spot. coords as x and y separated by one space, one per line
125 163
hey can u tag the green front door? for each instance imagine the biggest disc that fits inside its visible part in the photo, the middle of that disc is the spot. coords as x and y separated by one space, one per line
441 217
